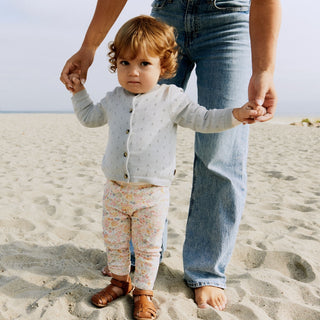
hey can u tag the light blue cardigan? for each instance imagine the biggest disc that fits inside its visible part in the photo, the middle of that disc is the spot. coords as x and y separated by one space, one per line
142 130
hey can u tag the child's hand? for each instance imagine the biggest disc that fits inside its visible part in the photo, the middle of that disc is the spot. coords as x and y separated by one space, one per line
249 113
76 83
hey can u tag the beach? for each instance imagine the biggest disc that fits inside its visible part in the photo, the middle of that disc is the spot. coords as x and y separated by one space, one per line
51 245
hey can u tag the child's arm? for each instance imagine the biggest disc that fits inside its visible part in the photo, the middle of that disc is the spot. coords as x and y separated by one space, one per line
189 114
248 113
89 114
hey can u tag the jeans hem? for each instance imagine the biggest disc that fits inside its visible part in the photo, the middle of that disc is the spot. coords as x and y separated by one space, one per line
199 284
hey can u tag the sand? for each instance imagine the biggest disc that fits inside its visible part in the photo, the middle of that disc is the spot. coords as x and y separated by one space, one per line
51 248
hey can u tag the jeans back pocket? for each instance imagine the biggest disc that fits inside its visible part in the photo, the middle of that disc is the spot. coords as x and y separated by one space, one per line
232 5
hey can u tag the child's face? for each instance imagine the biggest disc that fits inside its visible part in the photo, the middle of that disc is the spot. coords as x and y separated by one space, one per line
138 75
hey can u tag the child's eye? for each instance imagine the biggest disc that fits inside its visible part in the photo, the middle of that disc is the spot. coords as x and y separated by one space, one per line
145 63
124 63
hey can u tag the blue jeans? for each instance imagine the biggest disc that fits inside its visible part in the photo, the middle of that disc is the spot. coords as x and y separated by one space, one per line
214 38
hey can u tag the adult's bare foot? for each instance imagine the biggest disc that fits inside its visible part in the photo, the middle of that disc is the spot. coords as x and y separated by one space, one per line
210 296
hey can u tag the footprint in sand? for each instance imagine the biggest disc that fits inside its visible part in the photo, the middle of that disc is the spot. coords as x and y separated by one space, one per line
263 288
301 208
51 210
17 224
241 312
279 175
288 263
43 201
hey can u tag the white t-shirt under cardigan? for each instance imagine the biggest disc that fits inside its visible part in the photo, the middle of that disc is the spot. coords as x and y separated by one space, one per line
141 146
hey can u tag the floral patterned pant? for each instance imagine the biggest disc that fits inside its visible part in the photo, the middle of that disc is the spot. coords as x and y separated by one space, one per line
134 211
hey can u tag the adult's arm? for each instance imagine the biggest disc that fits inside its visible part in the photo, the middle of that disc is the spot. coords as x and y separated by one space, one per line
265 18
106 13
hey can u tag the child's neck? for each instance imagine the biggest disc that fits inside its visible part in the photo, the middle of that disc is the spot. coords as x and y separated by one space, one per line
136 94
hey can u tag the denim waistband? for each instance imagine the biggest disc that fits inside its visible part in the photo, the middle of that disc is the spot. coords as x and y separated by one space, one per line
223 5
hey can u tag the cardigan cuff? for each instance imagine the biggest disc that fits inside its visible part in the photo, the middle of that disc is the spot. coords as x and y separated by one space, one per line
81 99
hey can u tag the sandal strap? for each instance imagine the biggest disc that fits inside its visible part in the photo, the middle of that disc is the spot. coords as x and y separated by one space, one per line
143 307
140 292
126 286
106 295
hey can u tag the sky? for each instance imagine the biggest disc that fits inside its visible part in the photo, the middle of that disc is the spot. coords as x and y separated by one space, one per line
37 37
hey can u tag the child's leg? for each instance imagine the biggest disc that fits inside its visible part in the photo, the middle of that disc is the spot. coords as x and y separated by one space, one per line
147 229
116 230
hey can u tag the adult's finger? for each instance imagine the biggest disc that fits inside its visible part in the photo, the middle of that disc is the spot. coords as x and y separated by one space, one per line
68 68
266 117
83 72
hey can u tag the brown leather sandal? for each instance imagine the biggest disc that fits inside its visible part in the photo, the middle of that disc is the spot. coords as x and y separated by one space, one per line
108 294
144 309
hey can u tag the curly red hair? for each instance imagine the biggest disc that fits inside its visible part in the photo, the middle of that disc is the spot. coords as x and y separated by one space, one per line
146 34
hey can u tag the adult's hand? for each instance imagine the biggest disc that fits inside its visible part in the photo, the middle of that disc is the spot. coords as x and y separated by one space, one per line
106 13
79 63
262 92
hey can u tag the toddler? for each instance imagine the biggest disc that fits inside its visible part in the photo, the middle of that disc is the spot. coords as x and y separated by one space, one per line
139 162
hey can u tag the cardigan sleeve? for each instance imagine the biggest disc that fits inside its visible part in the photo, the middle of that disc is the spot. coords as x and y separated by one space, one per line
189 114
89 114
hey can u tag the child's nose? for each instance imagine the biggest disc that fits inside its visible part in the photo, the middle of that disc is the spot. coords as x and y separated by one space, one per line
134 71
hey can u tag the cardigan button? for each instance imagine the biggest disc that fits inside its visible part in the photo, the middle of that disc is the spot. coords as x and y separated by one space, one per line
125 176
131 110
125 154
127 131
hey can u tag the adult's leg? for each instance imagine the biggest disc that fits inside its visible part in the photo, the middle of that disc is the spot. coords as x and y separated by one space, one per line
214 35
221 50
172 12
